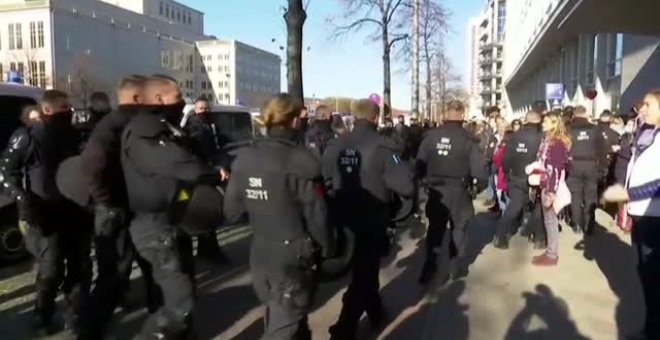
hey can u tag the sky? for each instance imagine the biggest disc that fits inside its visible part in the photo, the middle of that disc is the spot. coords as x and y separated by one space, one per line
350 66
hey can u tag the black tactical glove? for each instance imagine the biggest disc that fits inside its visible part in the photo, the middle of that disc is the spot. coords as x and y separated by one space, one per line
108 220
29 209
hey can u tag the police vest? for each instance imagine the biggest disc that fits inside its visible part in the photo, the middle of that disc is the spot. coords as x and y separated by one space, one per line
585 143
449 158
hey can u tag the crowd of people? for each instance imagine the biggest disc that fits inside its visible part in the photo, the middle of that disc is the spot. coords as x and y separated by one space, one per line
313 190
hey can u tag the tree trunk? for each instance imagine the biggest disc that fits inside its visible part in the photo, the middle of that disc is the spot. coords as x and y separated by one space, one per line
387 90
415 35
429 84
295 17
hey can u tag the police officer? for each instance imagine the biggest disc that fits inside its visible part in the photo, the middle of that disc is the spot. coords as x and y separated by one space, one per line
203 140
56 232
520 151
450 161
99 107
363 171
155 168
611 141
279 185
320 132
102 173
587 155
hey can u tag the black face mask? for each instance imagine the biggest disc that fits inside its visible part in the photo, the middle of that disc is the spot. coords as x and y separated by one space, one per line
172 113
62 118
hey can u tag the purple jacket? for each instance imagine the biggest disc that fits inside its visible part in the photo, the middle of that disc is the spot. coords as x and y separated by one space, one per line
554 155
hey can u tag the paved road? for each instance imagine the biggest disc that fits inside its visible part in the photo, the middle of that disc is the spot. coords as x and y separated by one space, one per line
592 294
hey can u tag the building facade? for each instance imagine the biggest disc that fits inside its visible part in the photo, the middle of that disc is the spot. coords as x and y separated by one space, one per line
487 33
234 73
82 46
558 41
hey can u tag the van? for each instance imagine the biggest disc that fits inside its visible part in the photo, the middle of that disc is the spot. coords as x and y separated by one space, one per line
233 122
13 98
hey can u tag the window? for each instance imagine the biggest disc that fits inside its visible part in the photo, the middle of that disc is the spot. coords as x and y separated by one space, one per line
2 73
21 68
189 63
614 55
34 74
165 61
40 34
203 69
12 39
12 66
167 11
33 34
19 37
160 8
591 59
178 15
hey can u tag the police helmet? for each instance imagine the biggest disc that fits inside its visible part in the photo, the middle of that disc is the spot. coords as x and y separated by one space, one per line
197 210
337 266
69 182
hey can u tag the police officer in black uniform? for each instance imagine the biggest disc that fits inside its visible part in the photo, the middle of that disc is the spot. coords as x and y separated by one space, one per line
203 140
587 155
103 176
611 140
450 161
56 233
280 186
521 150
320 132
155 169
363 170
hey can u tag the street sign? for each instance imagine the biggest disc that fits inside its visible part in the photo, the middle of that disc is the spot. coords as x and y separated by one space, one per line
554 91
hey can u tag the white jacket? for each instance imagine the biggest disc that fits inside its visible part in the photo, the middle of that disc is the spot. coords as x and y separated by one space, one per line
644 168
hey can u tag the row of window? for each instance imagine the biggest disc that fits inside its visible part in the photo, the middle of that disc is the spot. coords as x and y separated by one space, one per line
15 35
34 73
209 57
175 13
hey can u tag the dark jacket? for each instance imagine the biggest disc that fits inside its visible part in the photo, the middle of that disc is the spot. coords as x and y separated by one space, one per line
101 161
30 162
449 155
362 170
155 167
588 143
521 150
202 140
318 135
279 184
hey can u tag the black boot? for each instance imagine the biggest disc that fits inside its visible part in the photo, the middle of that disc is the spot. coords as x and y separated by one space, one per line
501 243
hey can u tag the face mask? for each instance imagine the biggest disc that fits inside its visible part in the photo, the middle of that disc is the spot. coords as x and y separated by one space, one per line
59 118
171 113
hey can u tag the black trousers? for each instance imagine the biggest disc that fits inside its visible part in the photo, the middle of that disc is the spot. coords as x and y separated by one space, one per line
155 240
115 253
362 295
284 286
582 181
453 205
507 224
646 238
62 256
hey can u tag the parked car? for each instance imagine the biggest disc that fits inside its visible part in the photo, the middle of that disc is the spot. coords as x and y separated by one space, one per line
13 98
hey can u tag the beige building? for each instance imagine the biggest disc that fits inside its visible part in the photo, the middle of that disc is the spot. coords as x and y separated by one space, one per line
608 46
82 46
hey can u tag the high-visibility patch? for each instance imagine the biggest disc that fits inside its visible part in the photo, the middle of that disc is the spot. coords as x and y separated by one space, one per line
184 195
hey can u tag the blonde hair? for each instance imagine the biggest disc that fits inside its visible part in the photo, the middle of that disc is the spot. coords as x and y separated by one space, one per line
365 109
654 93
281 110
559 132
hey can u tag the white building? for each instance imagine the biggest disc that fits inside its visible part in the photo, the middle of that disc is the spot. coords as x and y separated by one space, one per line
236 73
587 45
472 85
487 36
82 46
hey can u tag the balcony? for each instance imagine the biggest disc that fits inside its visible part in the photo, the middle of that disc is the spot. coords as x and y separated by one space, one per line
485 61
485 75
486 90
498 89
490 45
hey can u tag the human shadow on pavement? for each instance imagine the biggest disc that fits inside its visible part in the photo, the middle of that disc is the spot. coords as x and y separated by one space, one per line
542 304
480 233
616 260
442 317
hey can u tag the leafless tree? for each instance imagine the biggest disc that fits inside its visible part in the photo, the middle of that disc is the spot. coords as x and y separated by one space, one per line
446 85
383 16
27 58
81 82
434 28
295 16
